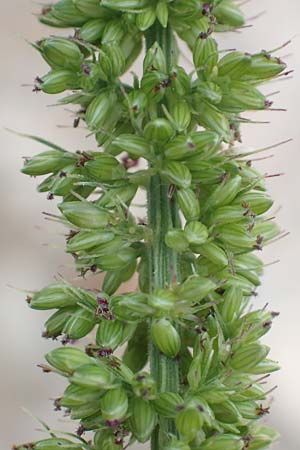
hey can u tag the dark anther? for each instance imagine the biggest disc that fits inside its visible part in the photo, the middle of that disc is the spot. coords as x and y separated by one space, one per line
179 408
38 80
112 423
46 10
268 104
80 430
128 162
28 299
76 122
93 268
50 196
57 406
63 174
86 69
105 352
207 8
203 35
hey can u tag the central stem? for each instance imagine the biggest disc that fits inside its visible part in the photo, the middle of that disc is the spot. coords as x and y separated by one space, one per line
162 216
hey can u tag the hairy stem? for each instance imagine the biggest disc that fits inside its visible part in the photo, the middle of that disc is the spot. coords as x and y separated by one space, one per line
162 216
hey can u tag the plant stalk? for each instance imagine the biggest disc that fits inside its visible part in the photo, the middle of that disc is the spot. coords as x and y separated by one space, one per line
162 215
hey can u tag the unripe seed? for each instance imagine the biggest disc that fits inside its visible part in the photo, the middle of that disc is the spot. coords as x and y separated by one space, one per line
53 296
113 32
166 337
85 240
189 423
159 131
234 65
227 12
48 162
155 59
177 173
162 300
76 396
67 359
162 13
99 110
56 444
136 146
257 202
93 376
177 240
55 324
177 445
248 356
59 80
214 253
110 334
84 214
92 30
225 193
195 289
181 115
264 66
167 403
104 167
143 419
61 53
223 442
125 257
205 55
146 19
188 203
114 405
198 143
226 412
80 324
235 235
196 233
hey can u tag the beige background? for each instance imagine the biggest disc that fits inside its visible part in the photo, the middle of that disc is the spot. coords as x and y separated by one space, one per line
32 249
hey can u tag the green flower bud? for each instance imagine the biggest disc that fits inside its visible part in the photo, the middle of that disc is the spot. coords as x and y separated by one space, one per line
265 231
110 334
180 81
226 412
214 253
166 337
159 131
100 109
85 411
223 442
116 59
195 289
248 356
229 214
225 193
233 304
136 353
195 372
125 5
143 419
162 13
136 146
189 423
114 405
106 440
113 32
188 203
92 8
67 359
265 366
59 80
55 324
61 53
242 97
205 55
104 167
84 214
262 437
114 279
264 66
235 235
177 240
56 444
234 65
162 300
48 162
85 240
155 60
131 307
154 85
198 143
227 12
93 376
53 296
176 173
167 403
257 202
92 30
146 18
176 445
125 257
80 324
196 233
210 117
144 386
181 115
76 396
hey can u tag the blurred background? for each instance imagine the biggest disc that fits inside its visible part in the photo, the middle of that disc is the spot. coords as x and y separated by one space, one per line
32 248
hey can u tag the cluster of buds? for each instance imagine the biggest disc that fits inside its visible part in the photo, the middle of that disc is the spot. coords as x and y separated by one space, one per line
207 363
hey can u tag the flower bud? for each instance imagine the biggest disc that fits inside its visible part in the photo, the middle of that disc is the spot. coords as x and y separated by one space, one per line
225 193
92 30
48 162
125 5
205 55
264 66
92 8
135 146
144 386
56 444
61 53
248 356
162 300
59 80
229 214
166 337
100 109
234 65
210 117
196 233
143 419
262 437
257 202
265 366
116 58
103 167
154 85
85 240
209 91
226 412
176 173
93 376
174 444
113 32
189 423
242 97
67 359
197 143
167 403
55 324
114 279
76 396
80 324
233 304
155 59
181 115
195 289
214 253
114 405
106 440
84 214
131 307
227 12
159 131
162 13
180 81
223 442
265 231
110 334
146 18
195 372
235 235
176 240
188 203
56 295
